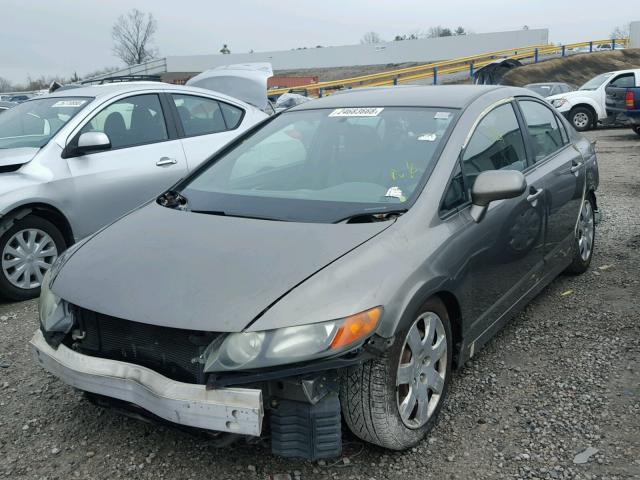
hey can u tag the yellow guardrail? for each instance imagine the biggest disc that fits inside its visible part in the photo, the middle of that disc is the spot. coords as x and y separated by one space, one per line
433 69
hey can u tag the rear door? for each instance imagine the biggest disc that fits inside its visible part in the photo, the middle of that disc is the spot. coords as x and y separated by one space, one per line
562 167
145 158
205 125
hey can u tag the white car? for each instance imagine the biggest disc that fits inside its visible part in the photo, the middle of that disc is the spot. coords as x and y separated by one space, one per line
76 160
585 107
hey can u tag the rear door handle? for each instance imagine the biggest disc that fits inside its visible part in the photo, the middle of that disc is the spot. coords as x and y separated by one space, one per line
576 166
532 197
165 161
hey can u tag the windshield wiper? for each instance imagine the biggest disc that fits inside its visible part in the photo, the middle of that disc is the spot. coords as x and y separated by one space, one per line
220 213
173 199
373 216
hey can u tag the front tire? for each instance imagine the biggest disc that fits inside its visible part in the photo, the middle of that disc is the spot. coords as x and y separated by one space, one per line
584 240
582 119
394 400
27 250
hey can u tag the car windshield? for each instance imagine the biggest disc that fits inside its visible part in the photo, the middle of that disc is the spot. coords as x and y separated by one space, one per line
34 123
544 90
595 82
324 165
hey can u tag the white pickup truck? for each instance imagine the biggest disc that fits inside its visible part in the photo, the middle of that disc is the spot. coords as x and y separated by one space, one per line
585 107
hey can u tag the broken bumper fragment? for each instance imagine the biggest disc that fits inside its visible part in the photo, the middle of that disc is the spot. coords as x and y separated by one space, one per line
236 410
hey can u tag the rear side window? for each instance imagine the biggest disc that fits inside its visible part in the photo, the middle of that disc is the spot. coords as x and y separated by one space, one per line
232 115
199 115
131 121
496 144
543 127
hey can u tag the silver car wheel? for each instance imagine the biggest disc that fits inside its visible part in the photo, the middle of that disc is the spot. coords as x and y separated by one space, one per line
422 370
586 230
581 120
27 256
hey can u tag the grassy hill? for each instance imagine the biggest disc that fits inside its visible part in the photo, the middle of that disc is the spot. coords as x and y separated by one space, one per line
574 70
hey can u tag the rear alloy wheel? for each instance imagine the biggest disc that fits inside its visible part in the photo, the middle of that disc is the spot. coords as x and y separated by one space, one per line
28 249
393 401
582 119
585 239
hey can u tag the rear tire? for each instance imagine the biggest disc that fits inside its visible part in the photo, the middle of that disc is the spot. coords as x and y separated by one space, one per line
371 398
27 250
582 119
584 240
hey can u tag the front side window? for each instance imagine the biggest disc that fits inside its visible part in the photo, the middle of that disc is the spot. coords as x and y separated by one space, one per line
324 165
628 80
543 128
34 123
131 121
496 144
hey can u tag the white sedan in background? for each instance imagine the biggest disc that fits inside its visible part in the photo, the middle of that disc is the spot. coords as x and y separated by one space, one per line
74 161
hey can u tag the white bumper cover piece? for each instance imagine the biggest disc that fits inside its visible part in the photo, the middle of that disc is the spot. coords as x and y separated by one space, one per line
236 410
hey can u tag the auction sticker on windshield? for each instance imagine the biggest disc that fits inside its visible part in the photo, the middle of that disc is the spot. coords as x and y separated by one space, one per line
68 103
357 112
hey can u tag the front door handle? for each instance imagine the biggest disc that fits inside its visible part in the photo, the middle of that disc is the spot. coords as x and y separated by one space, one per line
532 197
576 166
165 161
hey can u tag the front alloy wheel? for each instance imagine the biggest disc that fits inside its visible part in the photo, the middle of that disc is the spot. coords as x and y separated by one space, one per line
422 370
393 400
28 249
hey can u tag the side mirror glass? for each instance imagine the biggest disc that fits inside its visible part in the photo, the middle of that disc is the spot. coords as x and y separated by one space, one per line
90 142
495 185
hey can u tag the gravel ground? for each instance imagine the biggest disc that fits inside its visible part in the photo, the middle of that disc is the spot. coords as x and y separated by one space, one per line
561 378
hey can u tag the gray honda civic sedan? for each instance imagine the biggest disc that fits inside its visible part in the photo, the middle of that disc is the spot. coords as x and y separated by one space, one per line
337 261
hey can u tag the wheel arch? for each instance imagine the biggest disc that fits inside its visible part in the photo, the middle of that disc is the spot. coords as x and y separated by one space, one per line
44 211
589 107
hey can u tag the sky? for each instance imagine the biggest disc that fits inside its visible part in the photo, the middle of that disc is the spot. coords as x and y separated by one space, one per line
65 36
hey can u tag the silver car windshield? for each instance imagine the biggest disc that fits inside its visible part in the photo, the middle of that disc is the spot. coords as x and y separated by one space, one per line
34 123
326 160
595 82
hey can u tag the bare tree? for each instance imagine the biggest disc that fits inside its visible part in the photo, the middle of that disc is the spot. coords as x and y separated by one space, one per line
132 34
439 31
460 31
225 50
5 85
370 38
621 32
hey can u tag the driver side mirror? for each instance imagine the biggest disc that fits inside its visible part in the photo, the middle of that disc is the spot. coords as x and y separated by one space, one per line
90 142
495 185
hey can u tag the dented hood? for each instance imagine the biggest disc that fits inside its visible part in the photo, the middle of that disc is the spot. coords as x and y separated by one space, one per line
16 156
246 82
197 271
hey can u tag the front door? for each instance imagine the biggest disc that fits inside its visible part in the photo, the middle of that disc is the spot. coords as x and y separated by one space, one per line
505 249
142 162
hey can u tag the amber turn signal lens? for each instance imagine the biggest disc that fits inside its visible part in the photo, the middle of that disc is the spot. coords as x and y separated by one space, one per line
356 327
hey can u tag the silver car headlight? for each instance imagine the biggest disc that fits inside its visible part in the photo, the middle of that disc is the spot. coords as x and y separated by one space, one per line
49 301
248 350
559 102
53 311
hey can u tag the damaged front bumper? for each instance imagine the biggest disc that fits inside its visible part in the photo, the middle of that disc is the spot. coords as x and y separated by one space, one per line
234 410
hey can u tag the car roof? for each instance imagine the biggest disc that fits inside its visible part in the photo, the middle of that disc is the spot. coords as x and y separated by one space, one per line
546 83
445 96
112 89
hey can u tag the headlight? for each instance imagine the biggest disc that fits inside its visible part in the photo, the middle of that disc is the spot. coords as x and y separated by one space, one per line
558 102
48 300
250 350
53 312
